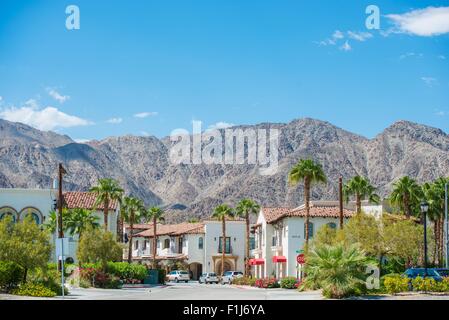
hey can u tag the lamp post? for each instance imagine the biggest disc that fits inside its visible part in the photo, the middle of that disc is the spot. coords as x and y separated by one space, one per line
424 209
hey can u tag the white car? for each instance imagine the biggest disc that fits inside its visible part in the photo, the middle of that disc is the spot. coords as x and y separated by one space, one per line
210 277
230 275
178 276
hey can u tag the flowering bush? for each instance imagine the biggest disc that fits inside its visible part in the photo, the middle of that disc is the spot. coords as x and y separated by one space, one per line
290 283
129 273
267 283
93 274
244 281
33 290
396 284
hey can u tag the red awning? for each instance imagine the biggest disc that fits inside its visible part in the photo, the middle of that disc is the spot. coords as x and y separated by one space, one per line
256 262
279 259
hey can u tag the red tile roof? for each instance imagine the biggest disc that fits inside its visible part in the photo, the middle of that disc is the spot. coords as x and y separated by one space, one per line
317 210
174 230
85 200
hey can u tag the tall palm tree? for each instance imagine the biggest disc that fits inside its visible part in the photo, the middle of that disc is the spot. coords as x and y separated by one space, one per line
79 220
244 209
310 172
221 213
132 209
156 215
361 188
106 191
406 195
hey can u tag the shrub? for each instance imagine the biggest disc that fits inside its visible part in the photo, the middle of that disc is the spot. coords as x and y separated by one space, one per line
424 284
31 289
93 274
10 275
289 283
244 281
396 284
161 276
267 283
129 273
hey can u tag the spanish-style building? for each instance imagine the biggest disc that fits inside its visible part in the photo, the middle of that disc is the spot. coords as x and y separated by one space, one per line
199 245
18 203
280 236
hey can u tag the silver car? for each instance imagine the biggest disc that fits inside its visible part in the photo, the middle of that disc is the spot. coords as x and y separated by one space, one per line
178 276
209 277
230 275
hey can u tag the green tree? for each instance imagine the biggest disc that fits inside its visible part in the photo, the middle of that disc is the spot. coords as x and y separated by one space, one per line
244 209
132 210
361 189
338 270
24 243
79 220
106 191
51 222
99 246
155 214
221 213
406 196
310 172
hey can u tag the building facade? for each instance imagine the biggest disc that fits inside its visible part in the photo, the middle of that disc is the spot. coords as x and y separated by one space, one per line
197 245
280 236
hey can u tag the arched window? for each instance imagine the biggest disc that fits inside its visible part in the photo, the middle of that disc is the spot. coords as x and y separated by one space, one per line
310 230
200 243
332 225
166 243
33 212
8 212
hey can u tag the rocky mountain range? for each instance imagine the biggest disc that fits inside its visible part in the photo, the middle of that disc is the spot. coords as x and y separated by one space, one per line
29 159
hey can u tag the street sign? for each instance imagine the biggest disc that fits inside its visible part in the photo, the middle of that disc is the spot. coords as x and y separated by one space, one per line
62 247
301 259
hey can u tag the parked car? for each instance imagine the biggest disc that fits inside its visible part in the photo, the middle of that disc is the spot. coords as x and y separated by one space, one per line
178 276
210 277
229 276
443 272
420 272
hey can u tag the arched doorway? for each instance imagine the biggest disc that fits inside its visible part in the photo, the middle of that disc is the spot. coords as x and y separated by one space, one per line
196 269
228 266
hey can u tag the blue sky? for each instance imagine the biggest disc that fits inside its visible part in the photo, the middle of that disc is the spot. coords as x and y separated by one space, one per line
149 67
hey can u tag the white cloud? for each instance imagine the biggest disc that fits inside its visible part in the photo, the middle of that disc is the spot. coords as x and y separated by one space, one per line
114 120
429 81
359 36
441 113
442 57
220 125
144 133
145 114
346 46
82 140
45 119
57 96
409 55
338 35
1 99
426 22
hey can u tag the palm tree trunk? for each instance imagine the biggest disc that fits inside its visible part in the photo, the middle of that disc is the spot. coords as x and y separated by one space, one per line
407 207
441 239
120 229
435 249
131 227
358 201
154 243
247 266
105 213
307 203
223 244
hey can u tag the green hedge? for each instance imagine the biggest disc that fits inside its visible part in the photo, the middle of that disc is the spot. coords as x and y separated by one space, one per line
396 284
11 274
289 283
129 273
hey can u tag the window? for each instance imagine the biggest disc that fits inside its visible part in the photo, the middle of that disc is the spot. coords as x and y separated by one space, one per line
227 245
252 243
310 230
273 240
166 243
145 244
8 214
332 225
136 245
200 243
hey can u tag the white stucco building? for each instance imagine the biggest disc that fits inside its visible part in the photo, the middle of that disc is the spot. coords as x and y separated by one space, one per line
197 244
280 236
17 203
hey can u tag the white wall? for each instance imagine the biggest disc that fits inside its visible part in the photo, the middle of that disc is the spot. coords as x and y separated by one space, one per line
236 230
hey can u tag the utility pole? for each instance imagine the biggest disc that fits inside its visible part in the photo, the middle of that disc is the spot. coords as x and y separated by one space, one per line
61 172
340 194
